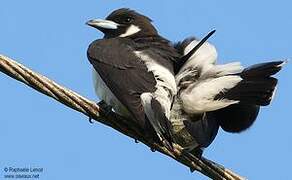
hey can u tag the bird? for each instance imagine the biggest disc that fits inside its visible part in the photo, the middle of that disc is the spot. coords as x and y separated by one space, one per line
134 71
174 91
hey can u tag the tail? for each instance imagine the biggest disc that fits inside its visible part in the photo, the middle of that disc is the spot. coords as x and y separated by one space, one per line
256 89
263 69
257 86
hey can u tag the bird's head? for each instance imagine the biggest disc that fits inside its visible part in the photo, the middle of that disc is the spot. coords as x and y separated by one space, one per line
124 23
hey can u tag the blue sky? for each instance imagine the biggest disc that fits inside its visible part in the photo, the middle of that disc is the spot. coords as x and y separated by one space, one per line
51 37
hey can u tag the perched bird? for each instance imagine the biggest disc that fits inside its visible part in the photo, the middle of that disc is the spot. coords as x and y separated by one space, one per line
175 92
134 73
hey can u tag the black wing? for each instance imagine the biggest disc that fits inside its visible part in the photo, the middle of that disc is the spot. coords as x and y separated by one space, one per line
125 75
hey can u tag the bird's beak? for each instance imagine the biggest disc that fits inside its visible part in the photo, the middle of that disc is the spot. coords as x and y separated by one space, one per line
102 24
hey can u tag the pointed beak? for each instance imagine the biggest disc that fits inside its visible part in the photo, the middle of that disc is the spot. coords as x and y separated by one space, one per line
102 24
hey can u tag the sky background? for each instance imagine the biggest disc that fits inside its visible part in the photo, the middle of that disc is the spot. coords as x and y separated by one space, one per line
51 37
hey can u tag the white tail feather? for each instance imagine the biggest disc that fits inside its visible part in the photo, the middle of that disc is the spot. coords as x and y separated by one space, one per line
199 97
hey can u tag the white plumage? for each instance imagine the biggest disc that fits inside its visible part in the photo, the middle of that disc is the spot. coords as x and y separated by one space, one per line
199 97
200 80
130 31
204 56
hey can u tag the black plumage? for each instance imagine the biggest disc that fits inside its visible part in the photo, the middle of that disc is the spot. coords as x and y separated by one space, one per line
129 60
256 89
121 76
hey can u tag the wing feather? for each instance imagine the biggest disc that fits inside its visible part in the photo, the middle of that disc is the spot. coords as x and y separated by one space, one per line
123 72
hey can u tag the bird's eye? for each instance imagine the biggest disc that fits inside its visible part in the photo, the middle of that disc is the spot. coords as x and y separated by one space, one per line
128 19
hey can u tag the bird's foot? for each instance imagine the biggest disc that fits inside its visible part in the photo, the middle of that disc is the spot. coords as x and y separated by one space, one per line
162 142
168 145
190 153
90 120
106 109
198 152
165 144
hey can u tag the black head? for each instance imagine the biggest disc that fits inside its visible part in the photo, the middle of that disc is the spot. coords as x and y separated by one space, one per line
124 23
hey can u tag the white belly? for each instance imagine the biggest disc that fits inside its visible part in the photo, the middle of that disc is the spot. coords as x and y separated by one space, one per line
104 93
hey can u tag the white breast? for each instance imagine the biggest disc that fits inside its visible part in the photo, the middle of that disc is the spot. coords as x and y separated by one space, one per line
104 93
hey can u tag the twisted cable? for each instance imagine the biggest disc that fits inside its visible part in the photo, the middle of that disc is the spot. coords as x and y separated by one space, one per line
93 111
